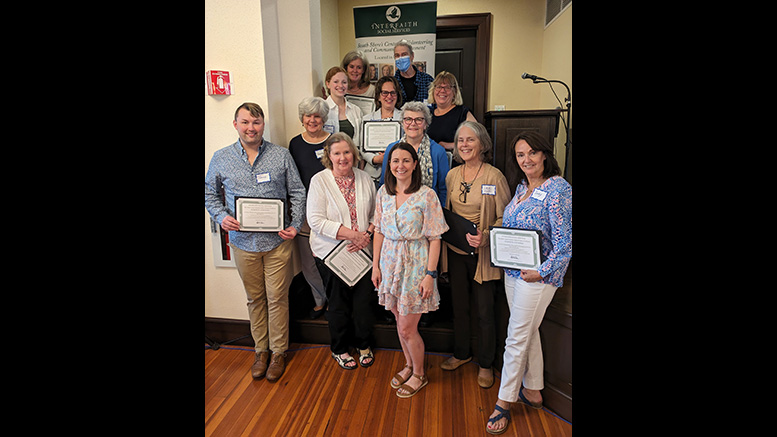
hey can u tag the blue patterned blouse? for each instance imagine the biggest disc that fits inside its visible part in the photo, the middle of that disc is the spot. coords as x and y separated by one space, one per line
548 210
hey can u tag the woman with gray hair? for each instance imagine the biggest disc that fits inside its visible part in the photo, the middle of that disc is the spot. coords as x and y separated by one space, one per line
307 149
478 192
431 156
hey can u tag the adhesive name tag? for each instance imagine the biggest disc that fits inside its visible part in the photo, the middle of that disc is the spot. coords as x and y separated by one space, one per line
262 178
488 189
539 194
320 153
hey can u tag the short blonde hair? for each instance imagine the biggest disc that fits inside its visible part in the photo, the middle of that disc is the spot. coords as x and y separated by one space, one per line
336 138
450 79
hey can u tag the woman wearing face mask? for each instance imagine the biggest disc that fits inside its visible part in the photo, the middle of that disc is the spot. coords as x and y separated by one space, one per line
413 83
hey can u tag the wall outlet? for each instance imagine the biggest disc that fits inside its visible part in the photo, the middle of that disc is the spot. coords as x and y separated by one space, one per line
499 107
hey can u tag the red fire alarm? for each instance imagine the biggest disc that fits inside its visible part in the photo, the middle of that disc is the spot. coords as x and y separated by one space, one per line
219 82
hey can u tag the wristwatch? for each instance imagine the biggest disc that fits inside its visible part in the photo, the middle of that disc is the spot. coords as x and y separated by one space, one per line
432 273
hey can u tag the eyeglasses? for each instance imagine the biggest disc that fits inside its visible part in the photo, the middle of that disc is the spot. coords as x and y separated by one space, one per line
409 120
465 187
388 93
444 87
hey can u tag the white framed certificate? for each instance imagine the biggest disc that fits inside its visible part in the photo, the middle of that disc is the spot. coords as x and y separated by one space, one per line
515 248
366 104
378 134
348 266
259 215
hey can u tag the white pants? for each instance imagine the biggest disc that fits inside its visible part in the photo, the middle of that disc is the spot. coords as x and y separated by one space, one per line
523 351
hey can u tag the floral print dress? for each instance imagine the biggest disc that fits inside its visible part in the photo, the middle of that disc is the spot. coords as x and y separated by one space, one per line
405 251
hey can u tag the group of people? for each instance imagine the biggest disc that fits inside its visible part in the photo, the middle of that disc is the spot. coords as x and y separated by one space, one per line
392 209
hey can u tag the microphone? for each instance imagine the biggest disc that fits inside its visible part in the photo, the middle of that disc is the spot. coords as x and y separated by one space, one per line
526 75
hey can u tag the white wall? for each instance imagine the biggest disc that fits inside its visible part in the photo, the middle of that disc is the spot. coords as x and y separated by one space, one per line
233 42
273 50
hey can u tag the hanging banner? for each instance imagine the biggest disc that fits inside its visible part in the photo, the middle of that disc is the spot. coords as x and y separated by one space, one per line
378 28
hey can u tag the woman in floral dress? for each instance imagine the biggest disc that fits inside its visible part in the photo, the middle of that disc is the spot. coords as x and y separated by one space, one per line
408 225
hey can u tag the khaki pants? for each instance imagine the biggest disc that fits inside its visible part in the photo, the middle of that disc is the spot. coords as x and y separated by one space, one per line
266 278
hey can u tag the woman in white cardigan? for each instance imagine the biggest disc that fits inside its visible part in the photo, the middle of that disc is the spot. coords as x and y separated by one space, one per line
340 206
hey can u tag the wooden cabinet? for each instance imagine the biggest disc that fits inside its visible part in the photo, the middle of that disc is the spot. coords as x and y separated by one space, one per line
556 337
503 126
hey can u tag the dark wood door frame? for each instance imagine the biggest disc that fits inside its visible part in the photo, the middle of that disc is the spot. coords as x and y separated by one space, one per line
481 23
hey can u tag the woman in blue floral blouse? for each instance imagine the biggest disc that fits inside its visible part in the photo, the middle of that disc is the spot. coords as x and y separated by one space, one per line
543 202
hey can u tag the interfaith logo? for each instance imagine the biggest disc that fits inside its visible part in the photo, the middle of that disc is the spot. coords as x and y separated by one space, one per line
393 14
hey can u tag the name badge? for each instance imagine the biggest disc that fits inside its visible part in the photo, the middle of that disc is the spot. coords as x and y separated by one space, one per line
488 189
262 178
320 153
539 194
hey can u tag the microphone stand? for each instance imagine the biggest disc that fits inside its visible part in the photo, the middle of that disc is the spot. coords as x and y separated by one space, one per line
568 100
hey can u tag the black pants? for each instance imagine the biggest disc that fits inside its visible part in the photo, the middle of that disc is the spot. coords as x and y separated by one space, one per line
461 271
349 314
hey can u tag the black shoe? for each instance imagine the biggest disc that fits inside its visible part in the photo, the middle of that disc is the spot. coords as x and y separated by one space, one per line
314 314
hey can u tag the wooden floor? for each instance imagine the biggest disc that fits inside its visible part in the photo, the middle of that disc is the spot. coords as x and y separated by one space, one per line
315 397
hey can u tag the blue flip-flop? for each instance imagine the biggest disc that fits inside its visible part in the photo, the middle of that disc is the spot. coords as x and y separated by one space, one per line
502 414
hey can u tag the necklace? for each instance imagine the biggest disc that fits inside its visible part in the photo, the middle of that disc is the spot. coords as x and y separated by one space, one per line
465 187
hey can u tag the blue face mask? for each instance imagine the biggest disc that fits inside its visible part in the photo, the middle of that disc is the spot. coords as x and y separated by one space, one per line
402 63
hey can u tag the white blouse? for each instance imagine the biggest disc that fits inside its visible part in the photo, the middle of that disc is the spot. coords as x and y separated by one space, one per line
327 209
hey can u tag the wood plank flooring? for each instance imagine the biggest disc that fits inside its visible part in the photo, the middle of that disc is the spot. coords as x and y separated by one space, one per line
315 397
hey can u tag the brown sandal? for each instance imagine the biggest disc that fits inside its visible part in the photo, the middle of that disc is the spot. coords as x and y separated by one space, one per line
410 391
399 378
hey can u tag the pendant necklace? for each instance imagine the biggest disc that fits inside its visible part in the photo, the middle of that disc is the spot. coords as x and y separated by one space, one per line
465 187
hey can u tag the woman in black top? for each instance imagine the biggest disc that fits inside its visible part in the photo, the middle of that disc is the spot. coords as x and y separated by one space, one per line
307 149
448 109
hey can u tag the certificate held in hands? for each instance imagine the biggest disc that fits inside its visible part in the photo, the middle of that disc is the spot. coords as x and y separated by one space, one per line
515 248
259 215
348 266
377 135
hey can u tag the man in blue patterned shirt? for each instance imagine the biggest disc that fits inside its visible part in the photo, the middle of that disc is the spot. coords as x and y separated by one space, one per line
254 167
